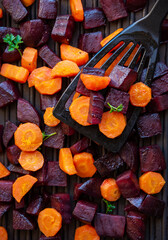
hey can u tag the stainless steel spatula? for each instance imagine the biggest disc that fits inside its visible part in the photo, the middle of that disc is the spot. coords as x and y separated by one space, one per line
145 33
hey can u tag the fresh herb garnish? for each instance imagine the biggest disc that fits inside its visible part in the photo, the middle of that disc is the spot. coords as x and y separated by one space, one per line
46 136
114 109
109 206
13 42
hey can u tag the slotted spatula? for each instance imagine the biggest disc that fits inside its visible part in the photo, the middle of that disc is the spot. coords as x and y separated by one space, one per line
145 33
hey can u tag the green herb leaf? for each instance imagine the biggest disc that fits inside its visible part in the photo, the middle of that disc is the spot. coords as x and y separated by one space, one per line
114 109
46 136
13 42
109 206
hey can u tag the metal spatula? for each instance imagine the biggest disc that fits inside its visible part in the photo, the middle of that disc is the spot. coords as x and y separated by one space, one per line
145 33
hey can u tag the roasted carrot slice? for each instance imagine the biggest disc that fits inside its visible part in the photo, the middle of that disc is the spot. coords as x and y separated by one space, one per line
66 161
110 190
86 232
84 164
28 137
15 73
3 233
76 95
95 83
27 3
48 87
65 68
29 59
77 10
110 37
79 110
1 13
22 185
49 118
74 54
49 222
112 124
41 74
31 161
4 172
140 94
151 182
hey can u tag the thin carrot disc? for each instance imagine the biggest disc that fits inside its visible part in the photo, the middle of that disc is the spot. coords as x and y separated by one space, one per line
48 87
110 190
41 74
49 118
3 234
31 161
86 232
95 83
4 172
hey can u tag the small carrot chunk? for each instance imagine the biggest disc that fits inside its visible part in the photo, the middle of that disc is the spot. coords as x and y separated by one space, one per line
48 87
28 137
40 74
76 95
1 13
22 185
4 172
109 190
29 59
3 233
15 73
79 110
65 68
49 222
151 182
86 232
112 124
110 37
74 54
95 83
49 118
27 3
84 164
77 10
66 161
31 161
140 94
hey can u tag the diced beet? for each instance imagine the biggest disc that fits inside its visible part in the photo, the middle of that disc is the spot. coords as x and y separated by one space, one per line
63 29
91 187
16 9
80 88
35 33
160 86
48 101
85 211
27 113
8 30
8 93
47 9
17 169
152 206
35 206
57 237
6 190
8 132
80 146
149 125
108 163
41 175
160 70
56 141
130 207
93 17
158 104
109 225
164 31
4 207
61 202
77 193
134 5
12 56
129 154
67 130
94 149
137 201
116 97
90 42
13 153
21 221
128 184
55 176
113 9
152 159
122 78
69 101
1 140
135 226
48 56
20 205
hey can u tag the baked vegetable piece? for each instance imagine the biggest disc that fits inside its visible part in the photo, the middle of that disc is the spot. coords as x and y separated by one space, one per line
86 232
77 193
57 237
35 206
110 190
8 132
137 201
158 104
47 9
66 161
80 146
29 58
160 86
17 169
20 205
93 17
91 187
8 30
10 57
6 190
56 141
77 10
1 140
48 56
90 42
67 130
42 175
48 101
4 207
135 6
22 221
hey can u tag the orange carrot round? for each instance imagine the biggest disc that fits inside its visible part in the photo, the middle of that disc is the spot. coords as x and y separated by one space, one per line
112 124
79 110
86 232
49 118
31 161
1 13
110 190
3 233
28 137
48 87
4 172
84 164
22 185
77 10
95 83
41 74
65 68
66 161
49 222
151 182
27 3
140 94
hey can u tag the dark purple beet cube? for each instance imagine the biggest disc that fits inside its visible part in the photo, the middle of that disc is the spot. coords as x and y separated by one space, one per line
91 187
4 207
80 88
9 130
109 225
158 104
149 125
8 93
61 202
48 101
160 70
130 207
47 9
135 226
160 86
10 57
17 169
96 107
13 153
63 29
80 146
35 206
77 193
20 205
57 140
21 221
42 175
122 78
93 17
1 140
85 211
67 130
69 101
8 30
152 159
6 190
48 56
113 9
55 176
108 163
137 201
128 184
134 5
57 237
90 42
164 31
